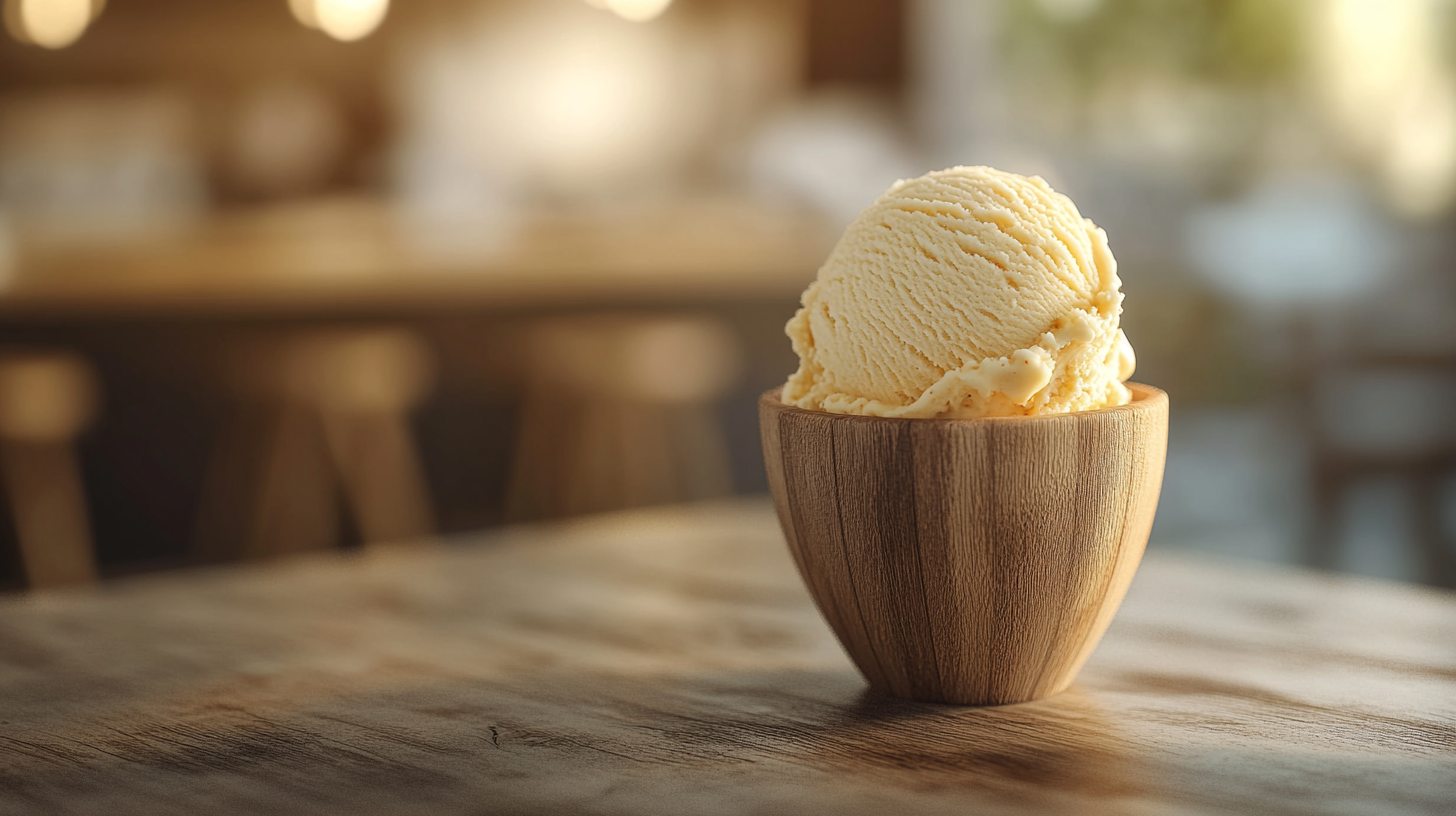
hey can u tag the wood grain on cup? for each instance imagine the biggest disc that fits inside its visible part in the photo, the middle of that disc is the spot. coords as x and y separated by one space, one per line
967 561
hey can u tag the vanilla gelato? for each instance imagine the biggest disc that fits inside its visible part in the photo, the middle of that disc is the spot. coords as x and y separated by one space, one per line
967 292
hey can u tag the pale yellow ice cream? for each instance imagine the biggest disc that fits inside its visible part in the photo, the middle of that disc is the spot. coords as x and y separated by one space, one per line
968 292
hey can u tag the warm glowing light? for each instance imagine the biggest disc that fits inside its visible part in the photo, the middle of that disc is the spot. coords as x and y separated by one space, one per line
555 96
1420 161
584 99
13 24
638 11
303 11
49 23
346 20
1388 88
350 20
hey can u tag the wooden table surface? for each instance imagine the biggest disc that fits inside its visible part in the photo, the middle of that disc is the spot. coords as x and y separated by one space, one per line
668 661
346 255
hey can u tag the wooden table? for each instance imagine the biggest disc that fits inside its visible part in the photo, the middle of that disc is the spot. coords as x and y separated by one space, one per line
344 257
165 313
669 662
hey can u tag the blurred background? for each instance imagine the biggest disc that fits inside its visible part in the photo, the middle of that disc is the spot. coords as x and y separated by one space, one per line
278 275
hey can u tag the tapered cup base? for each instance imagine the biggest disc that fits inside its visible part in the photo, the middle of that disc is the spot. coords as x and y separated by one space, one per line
974 562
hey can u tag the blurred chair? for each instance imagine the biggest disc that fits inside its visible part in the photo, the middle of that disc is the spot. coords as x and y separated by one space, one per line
46 400
323 416
1382 415
620 411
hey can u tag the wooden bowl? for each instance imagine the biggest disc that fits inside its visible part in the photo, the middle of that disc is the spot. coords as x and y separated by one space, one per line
967 561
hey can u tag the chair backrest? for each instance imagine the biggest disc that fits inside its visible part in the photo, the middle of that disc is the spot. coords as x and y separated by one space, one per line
674 359
45 396
347 370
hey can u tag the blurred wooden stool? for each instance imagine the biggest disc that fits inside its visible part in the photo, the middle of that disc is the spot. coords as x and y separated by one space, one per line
1404 432
323 416
46 401
620 411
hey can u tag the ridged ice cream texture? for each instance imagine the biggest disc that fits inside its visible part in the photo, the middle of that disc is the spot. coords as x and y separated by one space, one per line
965 293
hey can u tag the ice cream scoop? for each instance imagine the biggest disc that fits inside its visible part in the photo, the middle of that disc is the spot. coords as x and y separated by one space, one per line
968 292
963 479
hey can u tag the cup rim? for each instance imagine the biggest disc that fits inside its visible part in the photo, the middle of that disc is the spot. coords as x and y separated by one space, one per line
1144 398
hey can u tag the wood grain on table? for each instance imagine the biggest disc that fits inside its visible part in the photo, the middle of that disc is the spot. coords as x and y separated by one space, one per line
669 661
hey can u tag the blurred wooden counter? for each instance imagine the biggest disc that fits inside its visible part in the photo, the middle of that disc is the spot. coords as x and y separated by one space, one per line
349 255
669 662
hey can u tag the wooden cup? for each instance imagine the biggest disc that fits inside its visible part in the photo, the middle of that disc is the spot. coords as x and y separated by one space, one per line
967 561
